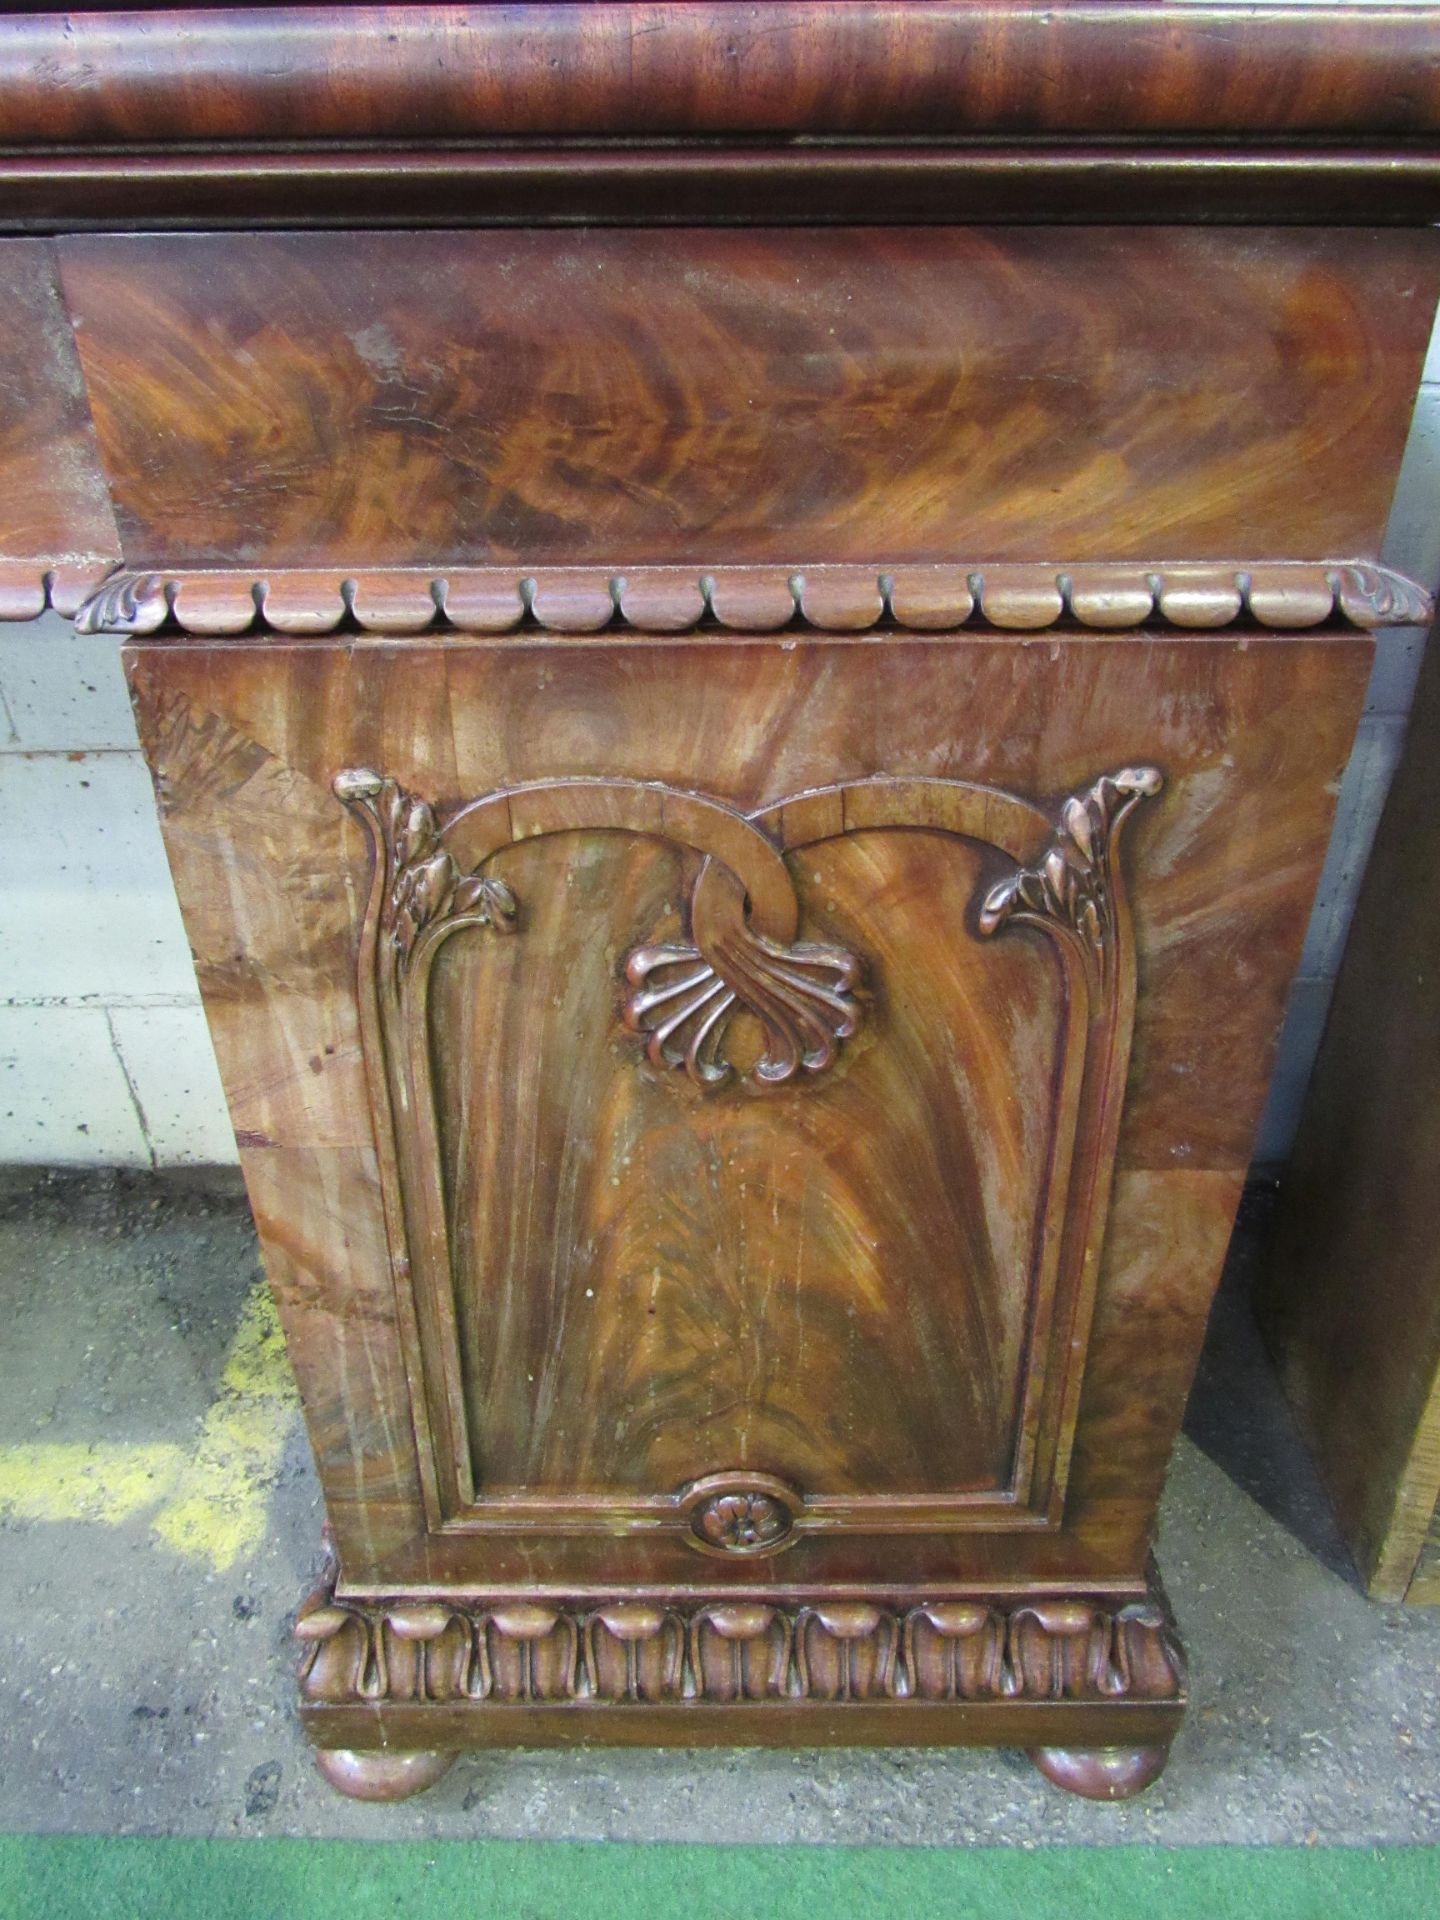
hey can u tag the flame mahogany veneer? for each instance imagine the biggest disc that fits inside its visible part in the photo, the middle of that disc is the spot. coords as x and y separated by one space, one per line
745 797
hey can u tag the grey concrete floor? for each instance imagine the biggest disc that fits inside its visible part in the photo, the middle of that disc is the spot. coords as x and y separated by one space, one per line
142 1690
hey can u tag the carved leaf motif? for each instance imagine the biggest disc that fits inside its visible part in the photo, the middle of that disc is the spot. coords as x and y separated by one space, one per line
1072 882
801 994
426 885
126 603
1371 596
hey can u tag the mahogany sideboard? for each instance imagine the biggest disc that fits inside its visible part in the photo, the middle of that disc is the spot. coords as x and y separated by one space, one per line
746 622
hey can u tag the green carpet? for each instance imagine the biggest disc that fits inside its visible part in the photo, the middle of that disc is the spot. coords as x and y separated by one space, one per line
45 1878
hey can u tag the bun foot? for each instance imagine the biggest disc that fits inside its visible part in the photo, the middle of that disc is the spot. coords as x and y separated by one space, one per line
1101 1773
381 1775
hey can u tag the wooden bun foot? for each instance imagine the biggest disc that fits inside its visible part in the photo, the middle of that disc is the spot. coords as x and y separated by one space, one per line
381 1776
1101 1773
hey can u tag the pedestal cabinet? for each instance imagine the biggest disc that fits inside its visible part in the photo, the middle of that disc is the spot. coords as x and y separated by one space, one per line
745 799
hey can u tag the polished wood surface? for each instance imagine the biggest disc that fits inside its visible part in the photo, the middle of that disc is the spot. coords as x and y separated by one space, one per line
795 397
717 67
1350 1299
939 111
699 1409
1101 1773
926 1437
658 184
382 1776
57 532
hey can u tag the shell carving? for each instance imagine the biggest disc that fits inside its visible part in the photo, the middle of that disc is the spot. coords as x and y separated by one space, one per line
801 994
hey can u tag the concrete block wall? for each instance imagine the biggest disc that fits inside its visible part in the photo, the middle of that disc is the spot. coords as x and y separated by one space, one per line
104 1054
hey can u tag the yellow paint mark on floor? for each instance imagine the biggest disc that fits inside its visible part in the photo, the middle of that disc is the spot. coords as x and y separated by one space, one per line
218 1511
211 1498
79 1482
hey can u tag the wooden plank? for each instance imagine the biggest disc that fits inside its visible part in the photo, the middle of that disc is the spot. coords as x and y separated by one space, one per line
1424 1588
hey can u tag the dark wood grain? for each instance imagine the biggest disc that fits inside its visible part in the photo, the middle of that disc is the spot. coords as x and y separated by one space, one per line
660 113
810 397
659 1207
57 533
1350 1297
911 66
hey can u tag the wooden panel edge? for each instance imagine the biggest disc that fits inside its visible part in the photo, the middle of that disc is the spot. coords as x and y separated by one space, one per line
1046 183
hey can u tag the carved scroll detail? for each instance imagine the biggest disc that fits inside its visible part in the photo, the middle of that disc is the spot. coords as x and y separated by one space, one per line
1073 884
720 1651
125 603
684 996
1373 596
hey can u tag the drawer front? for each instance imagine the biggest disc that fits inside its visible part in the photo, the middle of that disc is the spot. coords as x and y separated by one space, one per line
709 398
688 1085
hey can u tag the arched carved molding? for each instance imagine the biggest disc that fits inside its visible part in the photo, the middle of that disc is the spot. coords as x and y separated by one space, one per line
430 881
1017 596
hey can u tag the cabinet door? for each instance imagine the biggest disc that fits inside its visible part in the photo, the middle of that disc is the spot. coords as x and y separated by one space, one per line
731 1050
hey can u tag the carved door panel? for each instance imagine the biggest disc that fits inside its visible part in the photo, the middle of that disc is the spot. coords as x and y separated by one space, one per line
745 1177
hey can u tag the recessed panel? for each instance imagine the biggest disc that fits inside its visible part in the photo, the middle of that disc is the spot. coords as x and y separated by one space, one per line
827 1281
